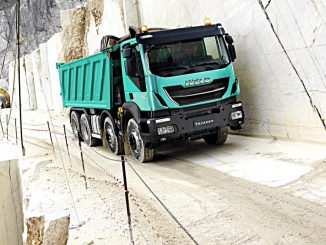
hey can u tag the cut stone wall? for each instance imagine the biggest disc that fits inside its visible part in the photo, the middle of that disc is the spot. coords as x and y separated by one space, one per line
30 82
73 34
54 48
281 69
37 68
11 211
45 75
112 23
280 46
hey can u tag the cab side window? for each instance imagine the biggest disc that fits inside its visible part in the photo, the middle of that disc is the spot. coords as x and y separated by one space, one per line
137 76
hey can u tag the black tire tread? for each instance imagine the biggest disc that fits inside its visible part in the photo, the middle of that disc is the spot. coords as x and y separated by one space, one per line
92 141
217 138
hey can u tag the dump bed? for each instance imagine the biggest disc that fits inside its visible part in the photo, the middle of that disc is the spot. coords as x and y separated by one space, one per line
85 83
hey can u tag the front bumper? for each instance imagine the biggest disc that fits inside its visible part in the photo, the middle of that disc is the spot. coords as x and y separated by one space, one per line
195 122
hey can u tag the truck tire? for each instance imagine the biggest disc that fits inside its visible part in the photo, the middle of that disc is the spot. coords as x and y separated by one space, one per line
110 139
74 121
136 143
217 138
85 131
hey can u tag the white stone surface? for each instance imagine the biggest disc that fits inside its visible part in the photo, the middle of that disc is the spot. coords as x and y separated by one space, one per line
37 68
54 47
273 95
280 89
113 23
45 75
11 213
30 82
24 87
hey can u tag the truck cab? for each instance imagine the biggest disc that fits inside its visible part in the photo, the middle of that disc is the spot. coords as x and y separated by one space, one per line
164 86
180 84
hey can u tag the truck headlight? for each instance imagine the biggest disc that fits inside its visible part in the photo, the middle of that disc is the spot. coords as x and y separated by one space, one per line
236 115
165 130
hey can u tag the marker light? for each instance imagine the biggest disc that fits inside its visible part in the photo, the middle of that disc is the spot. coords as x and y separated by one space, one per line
236 115
207 21
144 29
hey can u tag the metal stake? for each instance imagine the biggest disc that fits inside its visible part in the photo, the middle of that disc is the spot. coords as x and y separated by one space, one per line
19 77
127 198
82 159
64 130
51 138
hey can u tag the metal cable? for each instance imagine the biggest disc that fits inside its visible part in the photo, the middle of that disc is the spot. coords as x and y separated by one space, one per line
64 167
162 204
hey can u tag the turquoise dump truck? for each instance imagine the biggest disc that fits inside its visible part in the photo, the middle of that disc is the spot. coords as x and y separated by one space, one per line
154 86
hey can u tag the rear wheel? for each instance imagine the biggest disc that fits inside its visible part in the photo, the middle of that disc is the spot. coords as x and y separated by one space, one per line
136 143
217 138
110 138
85 131
74 121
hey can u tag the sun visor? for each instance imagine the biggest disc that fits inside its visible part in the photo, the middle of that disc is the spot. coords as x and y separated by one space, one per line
180 34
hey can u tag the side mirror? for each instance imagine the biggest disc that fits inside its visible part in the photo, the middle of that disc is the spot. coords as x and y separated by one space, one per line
232 52
130 68
229 39
127 53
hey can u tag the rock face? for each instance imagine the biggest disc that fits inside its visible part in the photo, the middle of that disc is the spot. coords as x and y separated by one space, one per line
35 230
11 211
58 232
73 23
40 19
281 56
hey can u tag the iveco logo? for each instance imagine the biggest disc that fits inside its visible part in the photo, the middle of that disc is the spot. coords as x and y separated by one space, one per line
204 122
197 82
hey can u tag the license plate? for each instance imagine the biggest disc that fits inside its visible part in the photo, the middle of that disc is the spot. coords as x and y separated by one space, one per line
203 123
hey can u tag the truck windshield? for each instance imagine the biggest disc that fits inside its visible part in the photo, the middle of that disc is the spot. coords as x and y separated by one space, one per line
185 57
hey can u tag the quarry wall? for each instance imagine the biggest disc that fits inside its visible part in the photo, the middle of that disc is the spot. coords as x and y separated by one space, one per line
281 48
11 211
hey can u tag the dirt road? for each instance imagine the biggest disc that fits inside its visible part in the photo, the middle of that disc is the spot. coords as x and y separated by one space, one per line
249 191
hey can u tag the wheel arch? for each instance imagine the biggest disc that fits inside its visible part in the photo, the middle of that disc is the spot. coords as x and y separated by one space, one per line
130 110
80 111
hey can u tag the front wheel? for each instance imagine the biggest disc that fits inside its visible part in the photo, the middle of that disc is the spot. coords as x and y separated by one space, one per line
217 138
136 143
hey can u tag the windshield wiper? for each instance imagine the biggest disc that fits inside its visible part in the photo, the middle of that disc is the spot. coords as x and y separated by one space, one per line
206 63
174 68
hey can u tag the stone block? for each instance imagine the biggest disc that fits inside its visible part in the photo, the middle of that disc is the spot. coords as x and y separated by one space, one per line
73 34
35 230
45 75
37 71
11 211
57 233
30 82
54 47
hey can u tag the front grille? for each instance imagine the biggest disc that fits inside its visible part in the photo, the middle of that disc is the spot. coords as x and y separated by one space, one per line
186 96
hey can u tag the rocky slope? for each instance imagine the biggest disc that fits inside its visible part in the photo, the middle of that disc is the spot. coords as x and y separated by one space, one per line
40 19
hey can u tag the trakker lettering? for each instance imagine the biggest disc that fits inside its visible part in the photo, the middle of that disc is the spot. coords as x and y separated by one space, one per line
204 122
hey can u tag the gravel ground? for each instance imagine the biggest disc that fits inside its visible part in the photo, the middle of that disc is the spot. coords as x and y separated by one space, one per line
248 191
